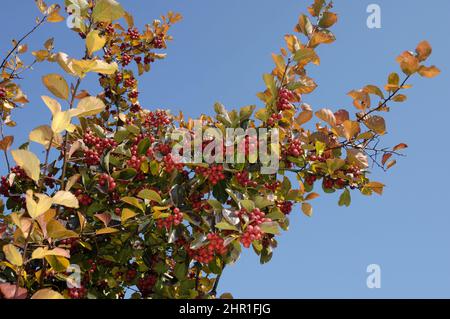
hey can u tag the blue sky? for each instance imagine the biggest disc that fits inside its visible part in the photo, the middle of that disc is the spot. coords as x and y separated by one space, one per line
220 52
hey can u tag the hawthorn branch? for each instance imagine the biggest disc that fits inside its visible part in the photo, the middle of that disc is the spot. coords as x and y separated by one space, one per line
18 43
386 100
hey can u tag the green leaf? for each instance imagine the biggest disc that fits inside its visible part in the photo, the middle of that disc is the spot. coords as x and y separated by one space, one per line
270 228
126 174
247 204
345 198
226 226
143 146
215 204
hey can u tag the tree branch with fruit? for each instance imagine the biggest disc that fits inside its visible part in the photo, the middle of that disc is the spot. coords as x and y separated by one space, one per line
110 197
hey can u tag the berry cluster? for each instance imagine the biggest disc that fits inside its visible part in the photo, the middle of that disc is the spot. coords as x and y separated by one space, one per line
146 284
310 179
170 165
133 33
243 178
19 172
83 199
174 219
157 119
93 266
126 59
136 161
98 146
294 148
2 93
272 186
158 42
285 97
330 183
107 182
251 234
285 207
205 254
78 293
274 119
214 173
130 82
4 186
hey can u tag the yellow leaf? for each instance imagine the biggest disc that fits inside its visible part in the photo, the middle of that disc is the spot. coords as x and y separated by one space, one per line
61 122
307 209
47 293
56 84
65 63
66 199
292 43
72 180
127 214
107 230
54 15
43 135
28 162
52 104
107 11
94 41
41 252
13 255
81 67
57 231
35 209
89 106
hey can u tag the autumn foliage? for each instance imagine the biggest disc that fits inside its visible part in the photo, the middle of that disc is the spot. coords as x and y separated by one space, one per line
108 202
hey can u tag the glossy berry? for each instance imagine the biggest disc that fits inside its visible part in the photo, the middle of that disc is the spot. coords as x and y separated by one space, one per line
244 179
2 93
175 219
158 42
78 293
107 182
274 119
133 33
214 173
126 59
285 97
